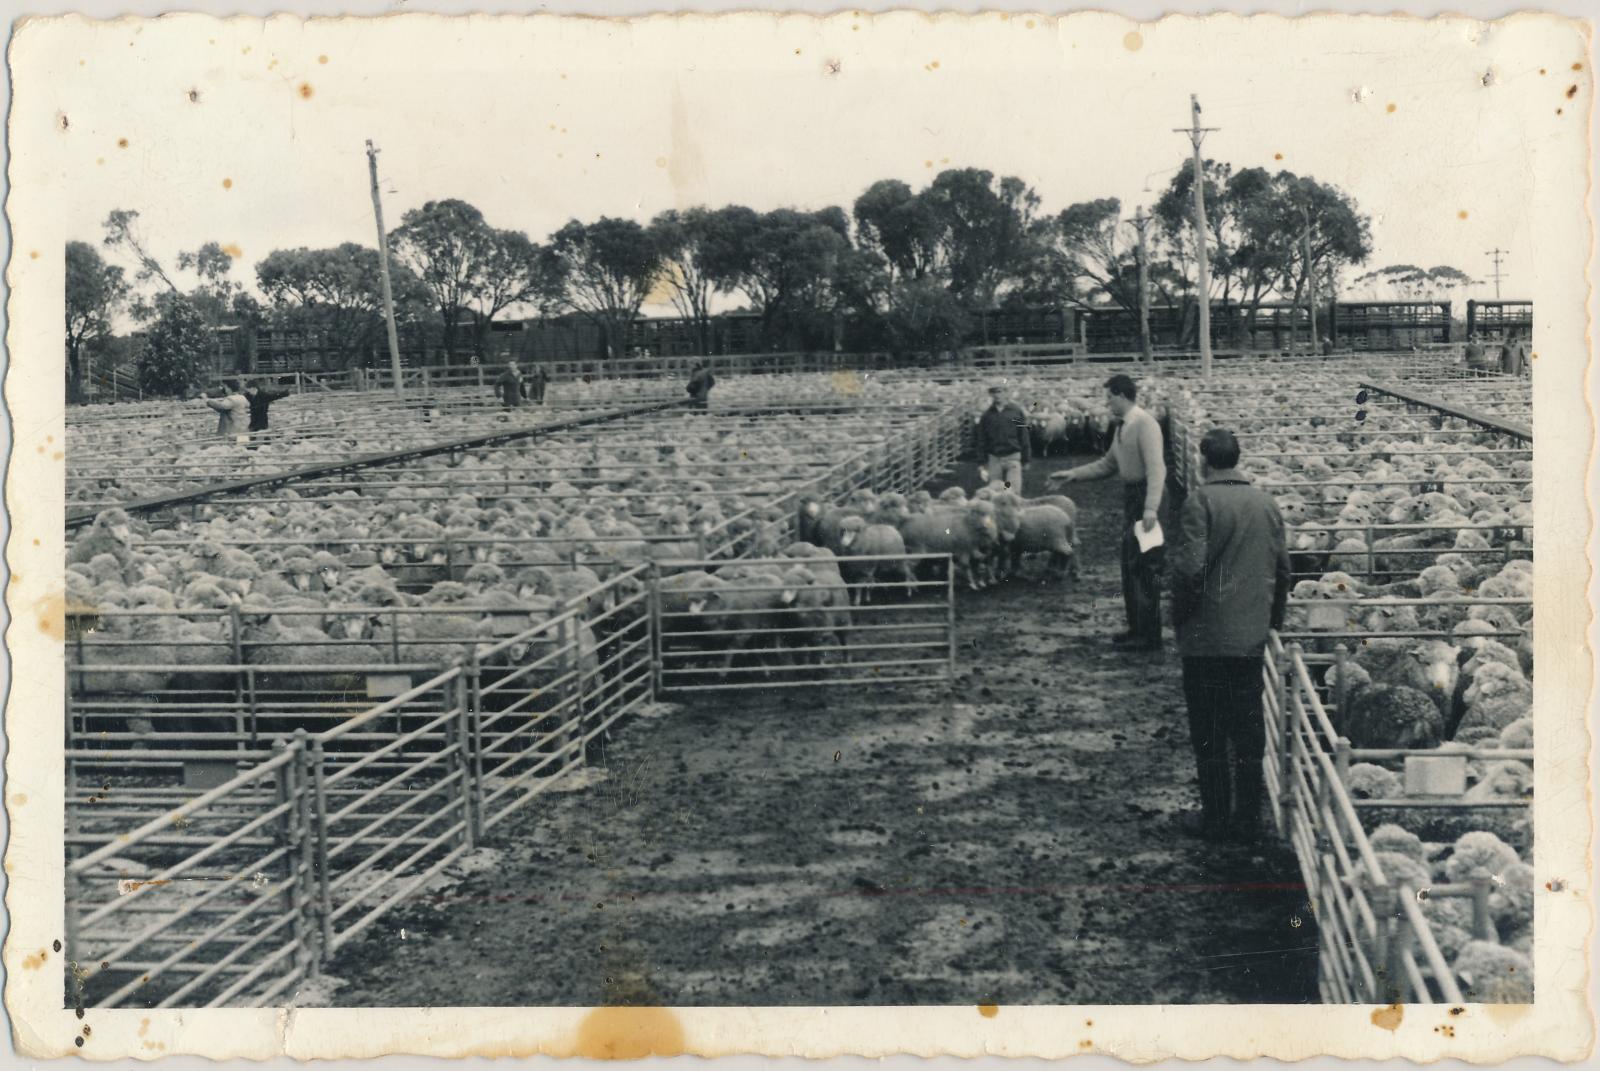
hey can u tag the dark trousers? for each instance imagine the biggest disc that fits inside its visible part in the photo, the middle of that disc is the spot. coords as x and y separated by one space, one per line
699 402
1224 697
1141 573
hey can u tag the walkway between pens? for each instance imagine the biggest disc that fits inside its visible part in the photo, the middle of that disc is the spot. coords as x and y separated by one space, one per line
1010 843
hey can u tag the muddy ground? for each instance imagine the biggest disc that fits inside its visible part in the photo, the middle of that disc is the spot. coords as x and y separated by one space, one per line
1011 842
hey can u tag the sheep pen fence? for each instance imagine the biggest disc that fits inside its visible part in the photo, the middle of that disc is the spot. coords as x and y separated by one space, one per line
1409 536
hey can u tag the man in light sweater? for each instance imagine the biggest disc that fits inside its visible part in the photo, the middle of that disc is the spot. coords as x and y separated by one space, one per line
1136 458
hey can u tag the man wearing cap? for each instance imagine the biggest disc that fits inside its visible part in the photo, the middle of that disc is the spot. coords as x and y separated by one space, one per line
1003 440
1136 457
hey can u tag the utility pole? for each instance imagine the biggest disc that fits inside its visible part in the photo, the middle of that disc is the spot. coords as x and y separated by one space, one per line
1311 279
1140 223
383 272
1197 134
1497 253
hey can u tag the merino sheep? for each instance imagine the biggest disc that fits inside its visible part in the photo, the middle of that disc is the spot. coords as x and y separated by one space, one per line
880 541
965 534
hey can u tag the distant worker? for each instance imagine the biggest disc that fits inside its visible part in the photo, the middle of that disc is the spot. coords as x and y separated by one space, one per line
1327 346
1230 585
1514 358
1477 357
510 386
260 398
1003 440
233 409
1137 458
535 384
700 383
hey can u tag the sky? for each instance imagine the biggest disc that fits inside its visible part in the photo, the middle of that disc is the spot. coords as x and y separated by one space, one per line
252 133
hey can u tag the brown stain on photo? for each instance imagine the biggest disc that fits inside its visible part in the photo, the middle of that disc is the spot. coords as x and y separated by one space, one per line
35 960
988 1011
1391 107
629 1034
1388 1018
227 184
322 59
1572 91
1461 214
306 92
51 611
122 143
33 254
18 799
1133 40
233 250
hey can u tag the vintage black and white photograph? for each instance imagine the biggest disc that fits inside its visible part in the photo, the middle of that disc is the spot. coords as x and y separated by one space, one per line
790 513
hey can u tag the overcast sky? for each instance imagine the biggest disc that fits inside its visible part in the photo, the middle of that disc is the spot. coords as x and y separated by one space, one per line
536 125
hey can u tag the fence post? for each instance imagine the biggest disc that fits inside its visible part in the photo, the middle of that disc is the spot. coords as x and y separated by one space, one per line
470 830
950 616
317 761
1280 685
474 671
291 796
1481 884
654 582
575 653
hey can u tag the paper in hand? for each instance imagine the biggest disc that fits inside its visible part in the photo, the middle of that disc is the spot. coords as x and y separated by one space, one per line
1150 540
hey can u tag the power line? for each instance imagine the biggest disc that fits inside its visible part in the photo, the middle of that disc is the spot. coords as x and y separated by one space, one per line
1497 253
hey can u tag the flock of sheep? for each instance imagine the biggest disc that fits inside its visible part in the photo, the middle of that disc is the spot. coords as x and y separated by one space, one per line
1413 540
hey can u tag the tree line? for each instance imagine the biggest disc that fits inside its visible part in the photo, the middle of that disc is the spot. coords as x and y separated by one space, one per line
908 268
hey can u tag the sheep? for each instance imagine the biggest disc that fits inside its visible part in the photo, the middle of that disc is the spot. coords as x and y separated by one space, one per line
1035 530
747 602
1497 696
1378 715
110 533
1430 667
878 541
821 610
966 535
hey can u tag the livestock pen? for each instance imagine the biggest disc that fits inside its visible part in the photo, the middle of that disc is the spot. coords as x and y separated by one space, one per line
1409 810
248 665
391 654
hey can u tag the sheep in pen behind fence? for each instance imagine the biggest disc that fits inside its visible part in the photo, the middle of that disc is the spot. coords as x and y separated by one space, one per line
797 621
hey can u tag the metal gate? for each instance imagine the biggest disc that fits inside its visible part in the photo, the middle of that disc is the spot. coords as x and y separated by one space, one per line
759 623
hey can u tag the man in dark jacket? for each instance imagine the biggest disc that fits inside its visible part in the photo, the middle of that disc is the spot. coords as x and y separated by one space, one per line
535 384
1003 440
700 383
260 398
510 386
1230 584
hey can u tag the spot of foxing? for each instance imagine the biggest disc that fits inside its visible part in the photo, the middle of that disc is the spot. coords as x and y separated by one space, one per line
1133 40
306 91
322 59
122 143
1391 108
227 184
1461 214
988 1011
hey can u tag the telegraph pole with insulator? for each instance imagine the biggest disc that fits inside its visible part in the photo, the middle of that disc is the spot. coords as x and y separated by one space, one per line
383 273
1197 134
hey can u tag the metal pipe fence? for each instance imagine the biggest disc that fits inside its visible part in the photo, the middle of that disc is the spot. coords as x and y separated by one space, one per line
802 622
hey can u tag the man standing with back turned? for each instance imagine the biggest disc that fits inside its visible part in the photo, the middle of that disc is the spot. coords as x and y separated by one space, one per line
1136 457
1230 584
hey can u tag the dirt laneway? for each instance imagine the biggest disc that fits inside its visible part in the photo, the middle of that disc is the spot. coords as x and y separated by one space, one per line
1009 843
